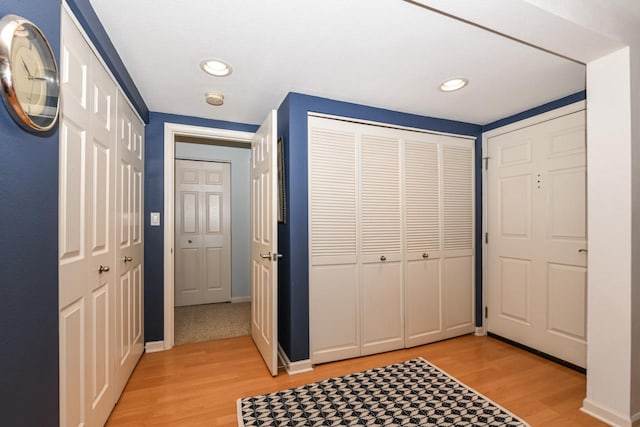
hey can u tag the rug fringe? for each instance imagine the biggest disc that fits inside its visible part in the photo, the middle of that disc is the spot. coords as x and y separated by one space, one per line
239 412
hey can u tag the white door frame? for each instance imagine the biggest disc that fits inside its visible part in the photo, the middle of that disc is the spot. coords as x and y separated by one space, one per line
170 132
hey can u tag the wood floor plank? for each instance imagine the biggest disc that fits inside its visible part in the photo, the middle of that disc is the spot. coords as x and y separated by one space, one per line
198 384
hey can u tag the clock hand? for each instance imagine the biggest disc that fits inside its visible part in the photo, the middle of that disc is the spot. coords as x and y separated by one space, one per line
26 67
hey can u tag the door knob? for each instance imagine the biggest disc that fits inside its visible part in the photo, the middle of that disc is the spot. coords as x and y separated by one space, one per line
276 256
127 259
267 256
582 251
383 258
189 241
103 269
425 255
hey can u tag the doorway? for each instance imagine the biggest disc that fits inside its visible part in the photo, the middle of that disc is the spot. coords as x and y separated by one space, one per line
225 316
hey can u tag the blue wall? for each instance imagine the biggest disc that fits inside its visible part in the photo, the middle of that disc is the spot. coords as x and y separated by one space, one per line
29 255
553 105
293 328
154 202
284 240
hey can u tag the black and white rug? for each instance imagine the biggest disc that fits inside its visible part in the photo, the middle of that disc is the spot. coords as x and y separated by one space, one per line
412 393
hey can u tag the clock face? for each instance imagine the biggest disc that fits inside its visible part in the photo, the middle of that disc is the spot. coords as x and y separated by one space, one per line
29 75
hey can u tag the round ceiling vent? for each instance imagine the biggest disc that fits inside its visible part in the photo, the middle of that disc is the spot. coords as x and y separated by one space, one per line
214 98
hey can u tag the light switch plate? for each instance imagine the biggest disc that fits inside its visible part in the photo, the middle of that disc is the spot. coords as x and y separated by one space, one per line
155 219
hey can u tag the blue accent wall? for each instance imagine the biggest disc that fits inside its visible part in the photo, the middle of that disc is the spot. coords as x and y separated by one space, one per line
553 105
284 239
87 17
29 254
293 236
478 230
154 202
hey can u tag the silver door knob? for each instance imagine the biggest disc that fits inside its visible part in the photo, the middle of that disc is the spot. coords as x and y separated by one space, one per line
127 259
267 256
103 269
425 255
276 256
383 258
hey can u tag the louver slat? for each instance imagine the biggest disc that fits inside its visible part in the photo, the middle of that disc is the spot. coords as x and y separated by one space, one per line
458 197
380 212
332 193
422 196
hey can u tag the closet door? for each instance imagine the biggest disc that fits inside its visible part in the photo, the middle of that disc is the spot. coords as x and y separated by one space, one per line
333 274
423 293
381 290
458 259
129 211
87 247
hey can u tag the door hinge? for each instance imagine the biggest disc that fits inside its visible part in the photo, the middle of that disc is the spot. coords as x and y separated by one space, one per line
486 163
486 312
486 238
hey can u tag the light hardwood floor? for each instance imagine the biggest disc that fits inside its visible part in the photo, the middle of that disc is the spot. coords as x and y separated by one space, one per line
198 384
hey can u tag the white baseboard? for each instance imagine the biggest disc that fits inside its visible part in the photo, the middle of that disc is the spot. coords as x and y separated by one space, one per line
608 416
294 368
154 346
240 299
481 331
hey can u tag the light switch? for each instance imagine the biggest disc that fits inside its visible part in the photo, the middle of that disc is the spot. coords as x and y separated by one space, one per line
155 219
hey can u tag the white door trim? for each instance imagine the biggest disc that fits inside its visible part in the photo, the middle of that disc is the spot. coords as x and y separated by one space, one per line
170 132
534 120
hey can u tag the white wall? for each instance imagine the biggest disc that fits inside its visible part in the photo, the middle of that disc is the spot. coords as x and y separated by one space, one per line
610 243
240 207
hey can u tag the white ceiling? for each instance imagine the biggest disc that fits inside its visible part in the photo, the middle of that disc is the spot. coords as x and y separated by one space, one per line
385 53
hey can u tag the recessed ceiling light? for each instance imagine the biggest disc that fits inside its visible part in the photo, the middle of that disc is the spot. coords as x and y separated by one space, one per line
453 84
216 67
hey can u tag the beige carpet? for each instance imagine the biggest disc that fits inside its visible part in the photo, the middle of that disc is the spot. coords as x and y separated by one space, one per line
198 323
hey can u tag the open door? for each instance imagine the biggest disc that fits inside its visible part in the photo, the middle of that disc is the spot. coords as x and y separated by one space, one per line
264 242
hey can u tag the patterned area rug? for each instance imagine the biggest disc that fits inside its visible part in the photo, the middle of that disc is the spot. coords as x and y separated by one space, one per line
412 393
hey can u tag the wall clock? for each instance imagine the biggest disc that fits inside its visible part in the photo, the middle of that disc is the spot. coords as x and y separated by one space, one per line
28 74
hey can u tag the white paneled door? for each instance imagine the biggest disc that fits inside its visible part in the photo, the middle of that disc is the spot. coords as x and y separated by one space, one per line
538 237
129 242
264 243
86 235
203 232
100 235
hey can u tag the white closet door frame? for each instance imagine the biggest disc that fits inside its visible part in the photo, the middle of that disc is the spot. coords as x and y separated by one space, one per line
170 132
550 115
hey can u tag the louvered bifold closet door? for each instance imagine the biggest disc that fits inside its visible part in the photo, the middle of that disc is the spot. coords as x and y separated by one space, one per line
422 254
381 290
333 276
458 260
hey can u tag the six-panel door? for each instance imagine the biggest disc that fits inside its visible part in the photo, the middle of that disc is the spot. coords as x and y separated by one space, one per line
538 242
